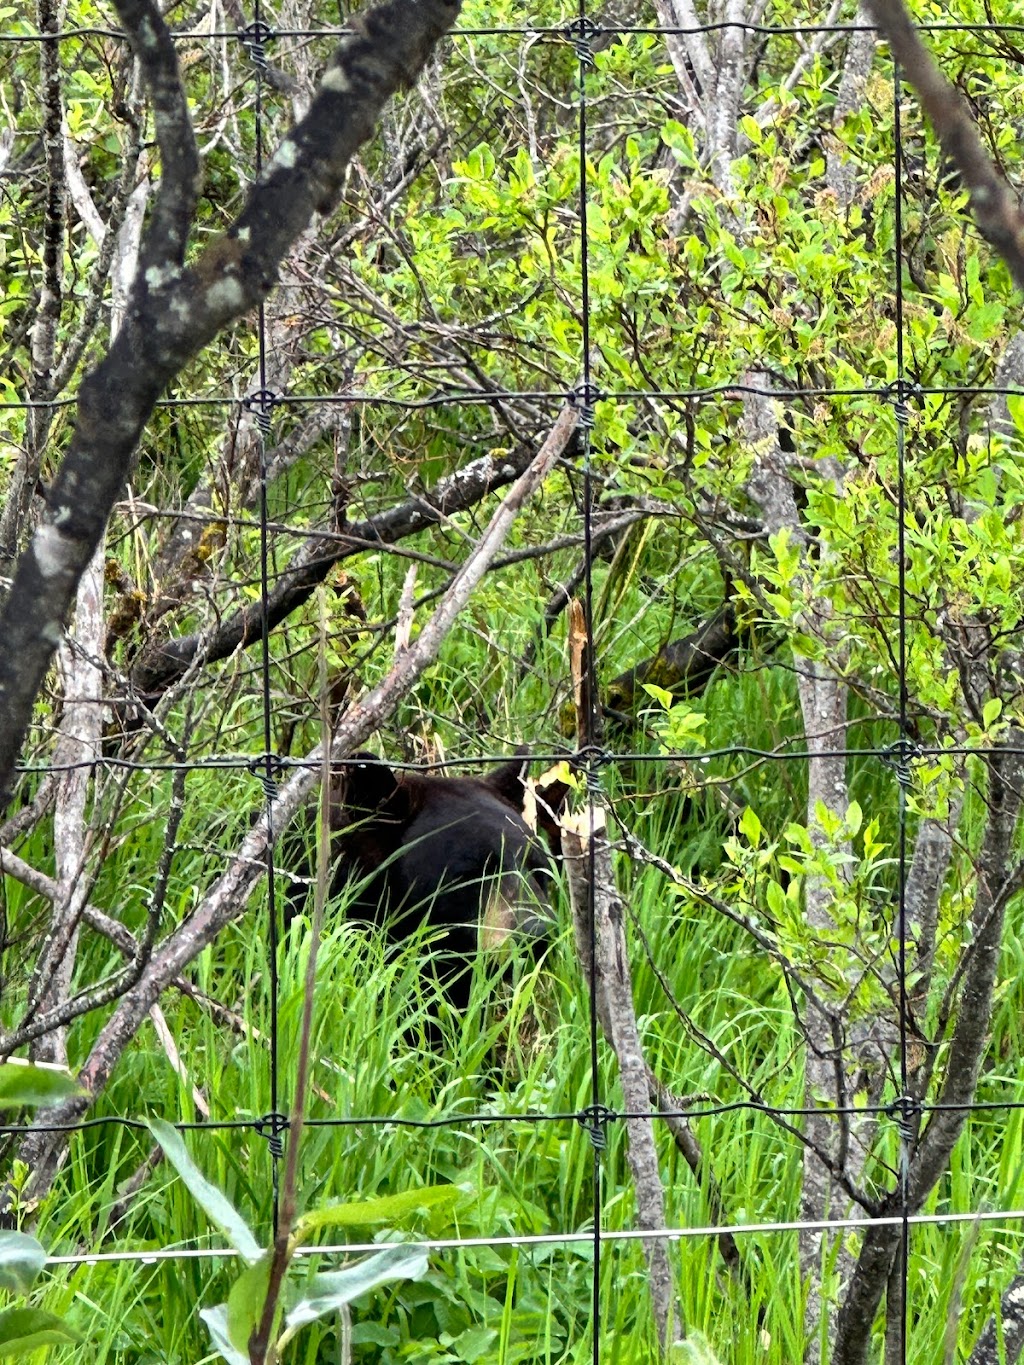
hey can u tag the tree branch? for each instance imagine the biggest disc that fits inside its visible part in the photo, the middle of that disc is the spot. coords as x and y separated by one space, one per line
180 172
996 881
165 661
993 202
174 312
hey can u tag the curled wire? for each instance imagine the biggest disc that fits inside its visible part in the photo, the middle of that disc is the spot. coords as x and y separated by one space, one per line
272 1127
900 393
581 33
594 1120
266 768
254 39
900 758
585 397
261 404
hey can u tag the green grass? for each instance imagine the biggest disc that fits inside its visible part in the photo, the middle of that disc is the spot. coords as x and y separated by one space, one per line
527 1304
499 1304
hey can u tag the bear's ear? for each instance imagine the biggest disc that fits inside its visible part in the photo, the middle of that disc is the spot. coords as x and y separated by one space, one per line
509 779
363 784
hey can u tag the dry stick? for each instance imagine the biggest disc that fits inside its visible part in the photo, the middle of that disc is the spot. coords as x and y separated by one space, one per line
43 1019
123 940
614 1004
372 710
993 202
669 1106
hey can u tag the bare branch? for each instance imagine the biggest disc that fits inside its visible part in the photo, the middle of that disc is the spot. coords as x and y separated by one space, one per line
181 176
993 202
166 661
174 312
43 345
604 959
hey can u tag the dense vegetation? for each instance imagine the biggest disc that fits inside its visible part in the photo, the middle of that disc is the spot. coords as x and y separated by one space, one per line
749 211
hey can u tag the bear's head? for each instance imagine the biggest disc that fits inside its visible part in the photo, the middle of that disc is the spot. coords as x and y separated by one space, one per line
452 852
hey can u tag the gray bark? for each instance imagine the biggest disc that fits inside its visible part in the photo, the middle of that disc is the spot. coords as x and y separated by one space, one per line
998 879
823 702
25 474
604 960
78 746
81 725
987 1350
176 309
840 170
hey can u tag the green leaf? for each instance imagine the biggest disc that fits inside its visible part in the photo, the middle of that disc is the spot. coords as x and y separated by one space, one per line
21 1260
750 827
660 694
787 555
797 835
332 1290
27 1329
387 1210
1015 407
245 1302
776 898
216 1320
474 1344
214 1203
991 712
22 1085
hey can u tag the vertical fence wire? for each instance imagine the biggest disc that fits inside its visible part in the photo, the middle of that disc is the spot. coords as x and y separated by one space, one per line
588 699
261 406
903 1113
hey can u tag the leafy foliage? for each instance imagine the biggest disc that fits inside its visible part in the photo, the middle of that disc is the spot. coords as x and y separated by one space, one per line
435 319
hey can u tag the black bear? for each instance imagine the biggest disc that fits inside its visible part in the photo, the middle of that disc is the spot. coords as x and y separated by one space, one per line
454 853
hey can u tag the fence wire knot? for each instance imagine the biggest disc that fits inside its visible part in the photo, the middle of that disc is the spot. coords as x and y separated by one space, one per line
261 405
266 769
254 39
581 33
905 1111
593 1120
899 757
589 761
585 397
900 393
272 1127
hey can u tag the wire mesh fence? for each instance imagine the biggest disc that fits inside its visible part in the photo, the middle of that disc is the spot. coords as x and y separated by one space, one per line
727 256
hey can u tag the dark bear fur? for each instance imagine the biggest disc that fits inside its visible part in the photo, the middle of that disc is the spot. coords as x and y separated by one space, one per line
451 852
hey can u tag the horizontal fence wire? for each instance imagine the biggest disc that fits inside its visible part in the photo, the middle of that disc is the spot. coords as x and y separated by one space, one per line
527 1240
561 32
459 398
